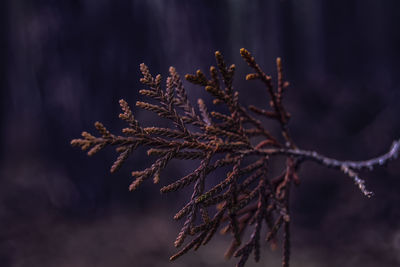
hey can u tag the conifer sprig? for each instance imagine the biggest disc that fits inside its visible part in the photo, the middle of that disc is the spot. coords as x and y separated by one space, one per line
248 197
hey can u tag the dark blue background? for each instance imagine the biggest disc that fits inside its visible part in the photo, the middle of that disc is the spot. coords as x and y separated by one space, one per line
65 64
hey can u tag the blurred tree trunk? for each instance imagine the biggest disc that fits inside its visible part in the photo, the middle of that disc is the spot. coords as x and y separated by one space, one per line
3 61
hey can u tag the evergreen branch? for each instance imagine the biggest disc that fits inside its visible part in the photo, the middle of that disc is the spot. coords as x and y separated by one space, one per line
247 196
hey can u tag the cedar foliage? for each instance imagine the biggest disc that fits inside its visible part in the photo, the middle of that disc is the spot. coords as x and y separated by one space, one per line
247 198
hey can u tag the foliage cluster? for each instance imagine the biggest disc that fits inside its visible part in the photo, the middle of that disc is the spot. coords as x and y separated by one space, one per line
248 196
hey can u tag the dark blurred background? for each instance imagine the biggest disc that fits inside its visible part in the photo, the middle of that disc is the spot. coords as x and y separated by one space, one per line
65 64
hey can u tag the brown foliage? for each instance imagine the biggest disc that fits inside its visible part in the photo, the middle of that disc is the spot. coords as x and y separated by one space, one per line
248 196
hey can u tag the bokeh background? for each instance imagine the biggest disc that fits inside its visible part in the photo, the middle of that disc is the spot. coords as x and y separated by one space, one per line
65 64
